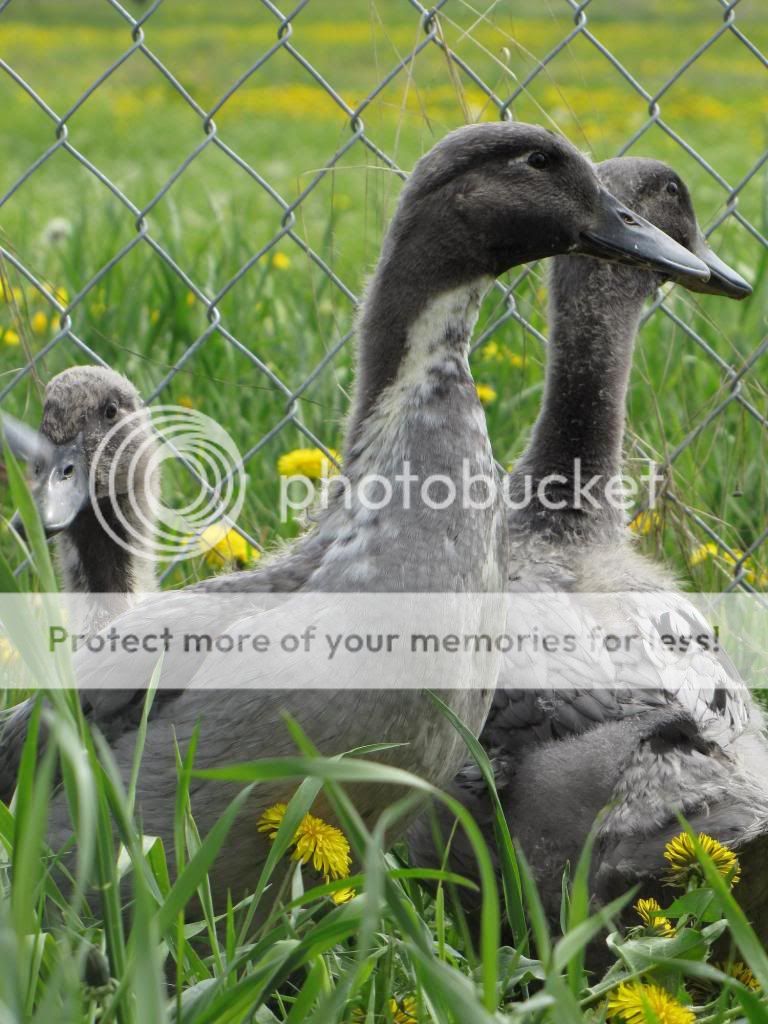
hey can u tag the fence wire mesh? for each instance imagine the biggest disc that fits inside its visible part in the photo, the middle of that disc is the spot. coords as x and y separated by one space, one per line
239 284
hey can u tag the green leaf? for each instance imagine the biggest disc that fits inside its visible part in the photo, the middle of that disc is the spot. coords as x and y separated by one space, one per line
699 903
33 793
579 912
309 992
516 970
572 947
510 872
743 934
536 914
754 1008
642 953
34 528
188 881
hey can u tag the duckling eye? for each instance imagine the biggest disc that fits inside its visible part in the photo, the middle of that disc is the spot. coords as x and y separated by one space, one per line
110 410
538 160
673 188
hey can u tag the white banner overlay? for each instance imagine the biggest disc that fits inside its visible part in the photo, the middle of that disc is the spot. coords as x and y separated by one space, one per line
377 641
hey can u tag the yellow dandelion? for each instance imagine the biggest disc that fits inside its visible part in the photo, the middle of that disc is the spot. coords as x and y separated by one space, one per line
11 295
272 819
39 322
739 970
220 544
315 840
703 552
650 913
191 298
486 393
492 352
645 522
403 1010
8 652
281 261
61 295
343 895
746 565
733 558
684 865
11 338
154 316
324 845
753 575
309 462
635 1003
186 402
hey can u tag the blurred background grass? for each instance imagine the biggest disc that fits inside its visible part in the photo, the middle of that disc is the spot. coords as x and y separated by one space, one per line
65 225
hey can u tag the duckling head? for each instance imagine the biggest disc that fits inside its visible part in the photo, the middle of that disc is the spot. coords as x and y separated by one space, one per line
103 445
659 194
490 196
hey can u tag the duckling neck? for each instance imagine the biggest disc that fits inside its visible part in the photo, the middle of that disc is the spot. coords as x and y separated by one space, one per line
93 563
414 377
418 432
595 311
416 315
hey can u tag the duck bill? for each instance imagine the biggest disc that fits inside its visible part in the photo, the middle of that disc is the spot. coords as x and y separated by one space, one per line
623 236
60 488
723 280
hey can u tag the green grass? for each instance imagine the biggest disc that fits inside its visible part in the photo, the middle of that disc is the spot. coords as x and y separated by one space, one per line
286 953
399 938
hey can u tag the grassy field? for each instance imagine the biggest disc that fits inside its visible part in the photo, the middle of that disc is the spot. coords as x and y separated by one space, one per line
319 961
387 944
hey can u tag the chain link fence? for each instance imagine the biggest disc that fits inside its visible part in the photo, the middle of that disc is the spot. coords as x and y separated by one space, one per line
469 52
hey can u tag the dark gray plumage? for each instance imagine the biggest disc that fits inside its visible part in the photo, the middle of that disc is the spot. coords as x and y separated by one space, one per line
477 204
649 733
